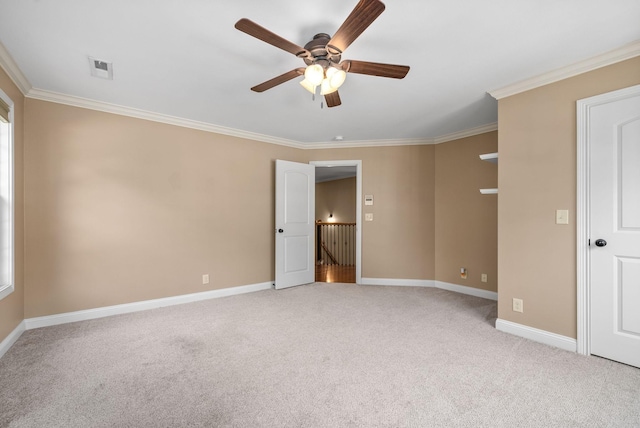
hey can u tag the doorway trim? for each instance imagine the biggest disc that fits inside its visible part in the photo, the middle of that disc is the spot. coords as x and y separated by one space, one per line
583 215
358 165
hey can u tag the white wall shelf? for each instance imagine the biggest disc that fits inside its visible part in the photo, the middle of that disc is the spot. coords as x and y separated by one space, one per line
490 157
493 158
489 191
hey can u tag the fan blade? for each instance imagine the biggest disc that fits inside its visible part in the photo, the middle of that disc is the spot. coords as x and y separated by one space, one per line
278 80
253 29
365 12
375 69
333 99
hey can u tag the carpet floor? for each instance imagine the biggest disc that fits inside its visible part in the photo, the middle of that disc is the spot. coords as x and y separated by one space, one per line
321 355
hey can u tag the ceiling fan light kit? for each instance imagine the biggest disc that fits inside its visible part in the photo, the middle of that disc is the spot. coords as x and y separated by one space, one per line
323 53
328 80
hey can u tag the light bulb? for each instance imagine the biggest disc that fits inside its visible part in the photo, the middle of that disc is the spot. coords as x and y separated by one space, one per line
314 74
308 86
336 77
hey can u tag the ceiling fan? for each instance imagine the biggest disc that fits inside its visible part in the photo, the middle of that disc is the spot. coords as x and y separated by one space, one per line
323 54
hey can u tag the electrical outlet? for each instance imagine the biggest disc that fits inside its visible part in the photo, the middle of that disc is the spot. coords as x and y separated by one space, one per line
518 305
205 278
463 273
483 277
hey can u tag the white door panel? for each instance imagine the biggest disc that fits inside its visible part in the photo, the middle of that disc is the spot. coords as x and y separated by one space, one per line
628 295
614 144
629 161
297 250
295 221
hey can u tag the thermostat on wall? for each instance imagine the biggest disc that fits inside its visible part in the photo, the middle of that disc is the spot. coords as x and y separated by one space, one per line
368 199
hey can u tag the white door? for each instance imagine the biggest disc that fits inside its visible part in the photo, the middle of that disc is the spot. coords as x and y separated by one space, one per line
614 203
295 223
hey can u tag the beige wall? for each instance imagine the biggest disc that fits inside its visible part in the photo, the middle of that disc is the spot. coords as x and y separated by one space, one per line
400 242
337 197
537 175
466 222
12 306
121 210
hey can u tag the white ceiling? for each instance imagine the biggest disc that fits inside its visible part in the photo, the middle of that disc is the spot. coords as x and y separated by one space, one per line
185 59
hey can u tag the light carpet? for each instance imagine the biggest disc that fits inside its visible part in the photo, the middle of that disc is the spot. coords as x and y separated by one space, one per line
321 355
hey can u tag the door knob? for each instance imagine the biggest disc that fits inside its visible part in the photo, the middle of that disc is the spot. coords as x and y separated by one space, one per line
281 231
601 243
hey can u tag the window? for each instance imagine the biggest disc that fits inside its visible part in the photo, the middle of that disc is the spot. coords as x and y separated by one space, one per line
6 196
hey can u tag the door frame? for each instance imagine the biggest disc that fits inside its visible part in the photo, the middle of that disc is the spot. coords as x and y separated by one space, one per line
358 165
583 215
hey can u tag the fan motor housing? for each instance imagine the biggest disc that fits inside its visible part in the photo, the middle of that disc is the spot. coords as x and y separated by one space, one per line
318 49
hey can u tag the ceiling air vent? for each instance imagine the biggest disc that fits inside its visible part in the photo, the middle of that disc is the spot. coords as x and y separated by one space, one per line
102 69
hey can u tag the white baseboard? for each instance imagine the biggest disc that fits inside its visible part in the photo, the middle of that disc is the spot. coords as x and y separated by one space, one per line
463 289
89 314
542 336
471 291
12 338
398 282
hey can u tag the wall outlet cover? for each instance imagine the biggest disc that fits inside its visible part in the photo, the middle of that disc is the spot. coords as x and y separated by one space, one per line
518 305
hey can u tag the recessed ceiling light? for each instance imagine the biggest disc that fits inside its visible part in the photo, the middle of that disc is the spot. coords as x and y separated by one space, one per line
338 138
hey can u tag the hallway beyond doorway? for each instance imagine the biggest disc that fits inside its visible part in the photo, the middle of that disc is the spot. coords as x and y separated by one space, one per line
336 273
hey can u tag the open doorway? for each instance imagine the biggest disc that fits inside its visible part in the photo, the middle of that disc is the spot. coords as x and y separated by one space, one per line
337 237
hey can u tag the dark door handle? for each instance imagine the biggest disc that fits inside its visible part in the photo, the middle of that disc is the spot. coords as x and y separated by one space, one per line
281 231
601 243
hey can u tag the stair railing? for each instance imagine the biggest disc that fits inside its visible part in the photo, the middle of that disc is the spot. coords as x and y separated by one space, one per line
336 243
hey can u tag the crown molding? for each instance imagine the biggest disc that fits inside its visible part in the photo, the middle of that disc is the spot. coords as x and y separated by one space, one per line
623 53
483 129
368 143
70 100
13 71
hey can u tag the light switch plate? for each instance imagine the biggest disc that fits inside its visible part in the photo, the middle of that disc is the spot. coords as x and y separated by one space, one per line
368 217
562 216
368 199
